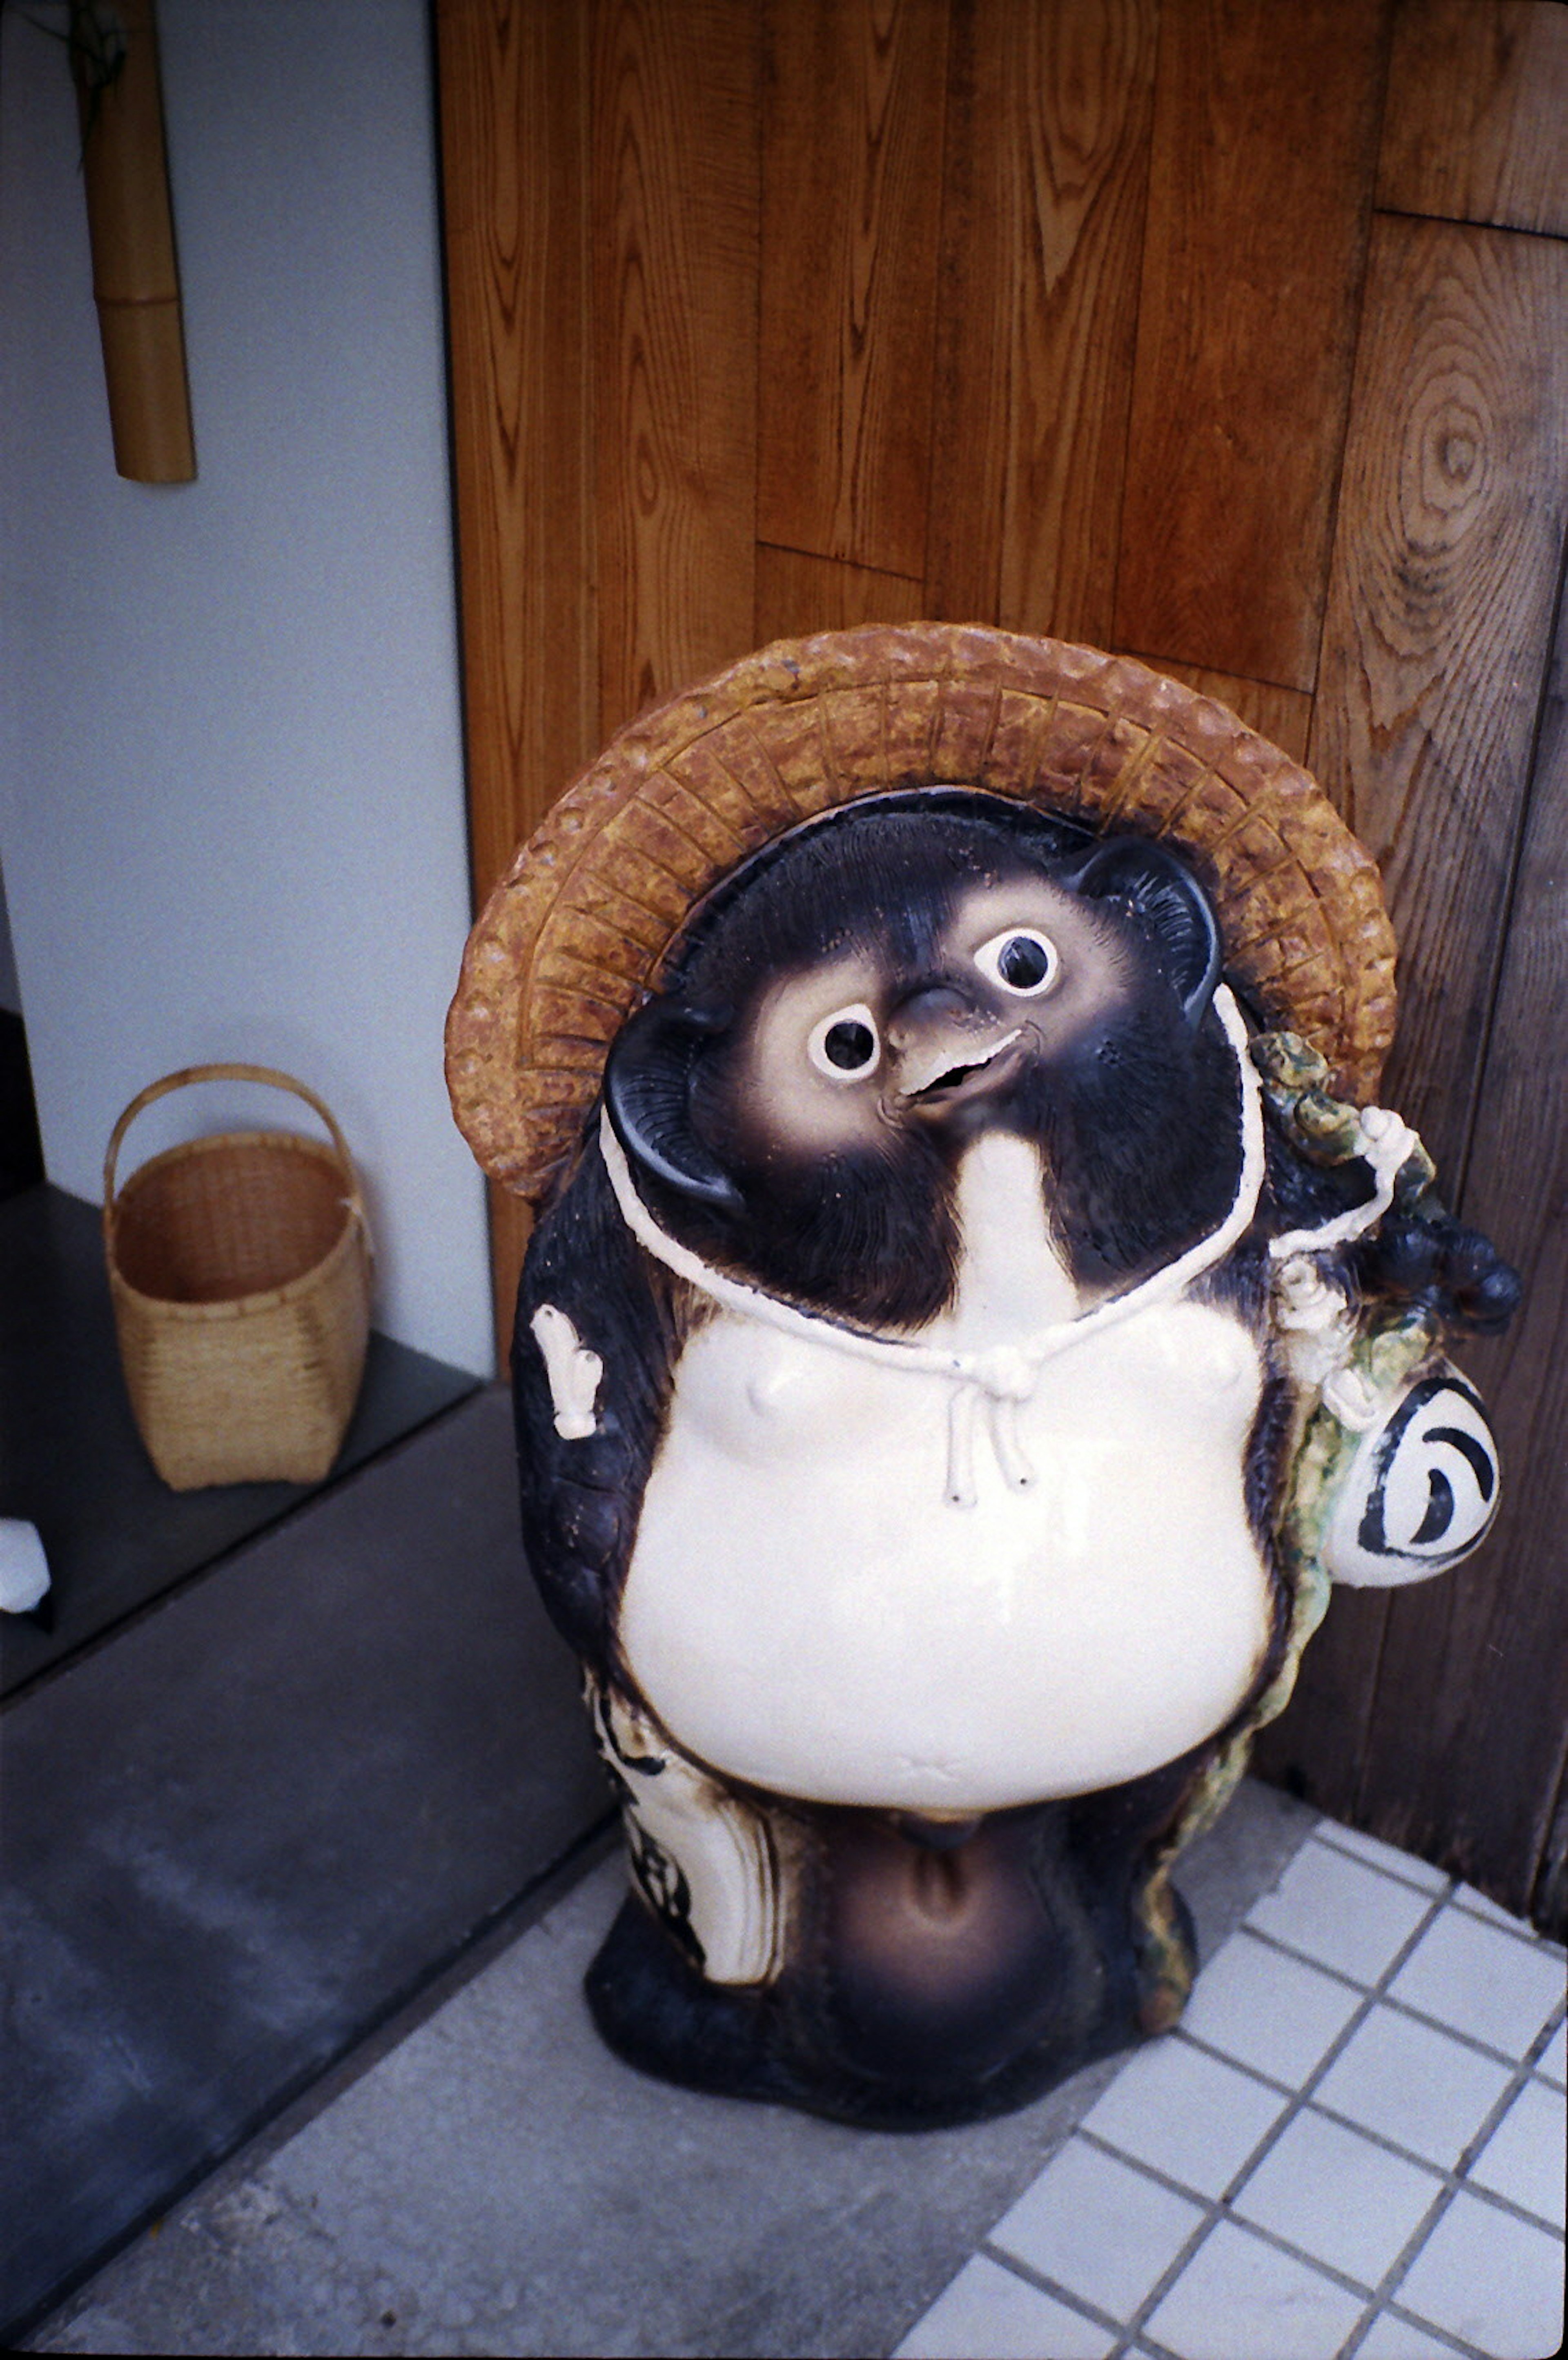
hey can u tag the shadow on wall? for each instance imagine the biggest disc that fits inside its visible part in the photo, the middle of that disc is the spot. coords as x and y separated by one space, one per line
21 1154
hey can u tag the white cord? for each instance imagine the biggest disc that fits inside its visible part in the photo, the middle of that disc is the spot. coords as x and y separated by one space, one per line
1385 1141
1005 1374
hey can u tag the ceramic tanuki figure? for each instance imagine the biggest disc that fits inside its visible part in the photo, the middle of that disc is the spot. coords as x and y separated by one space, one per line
972 1318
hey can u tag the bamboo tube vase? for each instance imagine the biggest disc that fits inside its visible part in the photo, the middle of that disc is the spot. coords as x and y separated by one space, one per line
136 281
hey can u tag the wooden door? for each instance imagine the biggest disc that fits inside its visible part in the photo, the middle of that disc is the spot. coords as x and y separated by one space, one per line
1234 337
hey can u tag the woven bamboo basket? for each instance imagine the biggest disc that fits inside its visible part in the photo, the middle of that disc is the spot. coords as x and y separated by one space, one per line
239 1266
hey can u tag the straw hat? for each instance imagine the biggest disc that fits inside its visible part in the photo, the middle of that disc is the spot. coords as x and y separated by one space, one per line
576 932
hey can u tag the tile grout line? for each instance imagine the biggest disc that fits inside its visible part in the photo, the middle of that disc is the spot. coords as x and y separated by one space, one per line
1401 2006
1122 2329
1470 2155
1044 2284
1220 2207
1408 2318
1453 1891
1445 2348
1379 2299
1025 2271
1376 2300
1544 2038
1215 2208
1451 2180
1404 2260
1518 1930
1362 1860
1466 2040
1520 2076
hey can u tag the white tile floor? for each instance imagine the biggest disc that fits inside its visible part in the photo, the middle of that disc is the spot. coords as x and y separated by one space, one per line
1352 2148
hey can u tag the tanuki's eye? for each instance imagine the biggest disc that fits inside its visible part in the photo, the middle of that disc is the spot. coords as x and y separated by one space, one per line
1022 961
846 1046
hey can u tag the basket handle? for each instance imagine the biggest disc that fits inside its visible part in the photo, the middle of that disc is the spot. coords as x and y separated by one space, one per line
268 1074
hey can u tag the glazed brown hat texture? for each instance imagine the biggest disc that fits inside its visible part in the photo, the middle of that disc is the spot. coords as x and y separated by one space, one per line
577 932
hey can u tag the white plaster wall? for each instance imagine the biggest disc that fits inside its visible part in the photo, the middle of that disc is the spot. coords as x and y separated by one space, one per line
231 806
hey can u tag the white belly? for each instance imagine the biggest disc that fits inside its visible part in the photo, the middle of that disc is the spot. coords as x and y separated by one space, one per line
807 1612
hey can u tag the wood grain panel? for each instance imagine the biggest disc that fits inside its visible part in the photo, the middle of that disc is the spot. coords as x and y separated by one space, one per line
514 137
1043 221
675 198
1474 1783
1097 242
1549 1902
852 146
1281 714
796 594
1451 523
1260 181
1426 1716
1317 1747
513 118
1476 123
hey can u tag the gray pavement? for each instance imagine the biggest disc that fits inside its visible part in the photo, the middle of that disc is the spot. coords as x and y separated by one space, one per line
259 1821
484 2177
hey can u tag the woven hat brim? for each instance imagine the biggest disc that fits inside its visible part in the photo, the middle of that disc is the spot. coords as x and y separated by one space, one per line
578 931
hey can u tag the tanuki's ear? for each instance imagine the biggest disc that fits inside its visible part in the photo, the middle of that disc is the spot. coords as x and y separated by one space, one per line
1159 888
647 1095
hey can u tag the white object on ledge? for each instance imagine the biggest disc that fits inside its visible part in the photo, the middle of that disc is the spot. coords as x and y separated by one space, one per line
24 1568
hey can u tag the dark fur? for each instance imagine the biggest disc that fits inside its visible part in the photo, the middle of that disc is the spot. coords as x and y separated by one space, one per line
1139 1127
853 2029
580 1499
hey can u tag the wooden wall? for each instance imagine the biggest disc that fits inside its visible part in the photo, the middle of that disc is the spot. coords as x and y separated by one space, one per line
1227 333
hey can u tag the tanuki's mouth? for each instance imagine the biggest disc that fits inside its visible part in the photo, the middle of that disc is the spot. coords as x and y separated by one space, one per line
939 1079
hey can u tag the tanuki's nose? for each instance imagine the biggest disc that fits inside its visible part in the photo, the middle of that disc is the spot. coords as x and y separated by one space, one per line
928 1004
